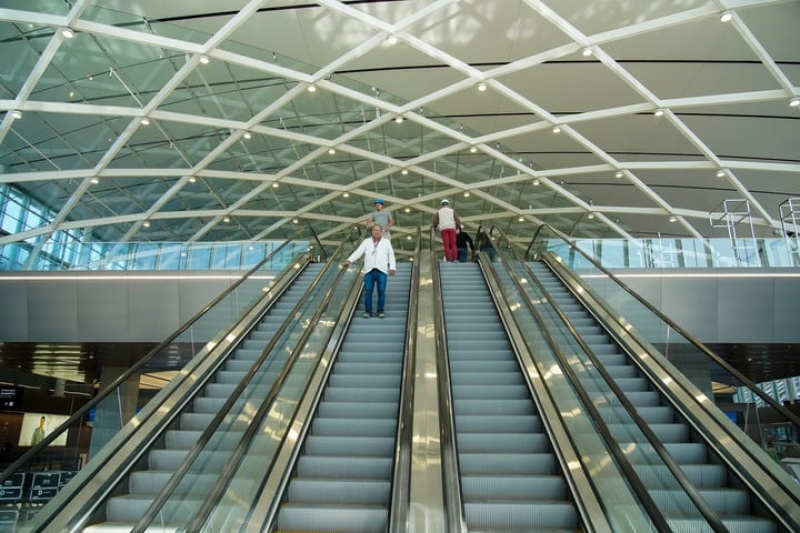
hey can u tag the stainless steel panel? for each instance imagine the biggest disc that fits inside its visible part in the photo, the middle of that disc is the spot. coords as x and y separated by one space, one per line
13 311
153 308
53 310
102 311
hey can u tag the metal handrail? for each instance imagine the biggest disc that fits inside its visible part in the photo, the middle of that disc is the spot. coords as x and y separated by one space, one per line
130 372
400 502
787 414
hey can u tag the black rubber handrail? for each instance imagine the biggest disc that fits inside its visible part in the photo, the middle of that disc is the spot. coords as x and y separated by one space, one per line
711 516
787 414
131 371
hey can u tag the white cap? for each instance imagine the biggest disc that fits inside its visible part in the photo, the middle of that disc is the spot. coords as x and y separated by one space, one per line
445 201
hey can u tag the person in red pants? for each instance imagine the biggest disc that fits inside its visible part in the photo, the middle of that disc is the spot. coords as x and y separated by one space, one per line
447 221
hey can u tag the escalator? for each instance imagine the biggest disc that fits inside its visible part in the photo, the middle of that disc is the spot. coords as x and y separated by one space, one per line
726 496
165 458
342 480
509 475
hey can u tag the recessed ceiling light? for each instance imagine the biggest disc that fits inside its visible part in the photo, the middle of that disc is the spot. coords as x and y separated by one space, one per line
346 195
145 121
586 52
482 86
591 216
398 119
312 88
204 59
619 174
16 114
466 194
67 33
146 224
226 219
659 112
404 172
726 16
331 151
721 173
556 129
473 149
248 135
407 210
392 39
295 221
275 185
536 183
794 102
192 179
95 180
673 218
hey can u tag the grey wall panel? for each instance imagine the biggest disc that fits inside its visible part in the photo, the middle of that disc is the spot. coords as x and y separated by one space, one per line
102 310
787 311
196 294
691 303
745 309
154 309
13 311
53 310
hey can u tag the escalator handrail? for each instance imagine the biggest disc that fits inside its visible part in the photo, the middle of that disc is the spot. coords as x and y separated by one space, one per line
711 516
400 500
787 414
130 372
453 505
208 433
603 430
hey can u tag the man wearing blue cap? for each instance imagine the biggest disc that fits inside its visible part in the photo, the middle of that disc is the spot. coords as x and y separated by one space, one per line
381 217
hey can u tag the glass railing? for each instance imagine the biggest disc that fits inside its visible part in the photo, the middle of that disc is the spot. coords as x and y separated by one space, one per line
676 252
154 256
39 474
716 378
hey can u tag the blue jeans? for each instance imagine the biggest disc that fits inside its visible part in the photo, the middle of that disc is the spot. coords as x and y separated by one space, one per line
462 255
372 278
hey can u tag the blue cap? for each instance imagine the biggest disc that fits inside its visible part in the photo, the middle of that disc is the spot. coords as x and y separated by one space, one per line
378 201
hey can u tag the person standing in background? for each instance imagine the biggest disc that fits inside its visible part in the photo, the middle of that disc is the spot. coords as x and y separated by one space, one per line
38 433
462 241
379 264
382 217
447 221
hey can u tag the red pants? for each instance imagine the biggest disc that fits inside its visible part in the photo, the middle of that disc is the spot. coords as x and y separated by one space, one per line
449 240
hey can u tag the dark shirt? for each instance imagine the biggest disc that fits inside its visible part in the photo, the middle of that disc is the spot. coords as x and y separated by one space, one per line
463 239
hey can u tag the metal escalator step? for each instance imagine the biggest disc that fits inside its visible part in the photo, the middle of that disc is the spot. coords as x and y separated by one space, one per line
354 427
481 366
701 475
386 352
342 394
349 446
637 398
129 508
723 501
738 524
502 443
333 518
486 378
508 463
152 481
342 367
488 392
340 491
465 351
345 467
675 432
493 407
513 487
499 424
183 439
513 516
339 379
357 410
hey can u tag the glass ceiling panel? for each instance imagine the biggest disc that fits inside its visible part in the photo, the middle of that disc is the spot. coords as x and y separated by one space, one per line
21 48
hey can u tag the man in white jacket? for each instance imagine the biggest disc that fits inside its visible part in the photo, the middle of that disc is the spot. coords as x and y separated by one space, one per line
379 264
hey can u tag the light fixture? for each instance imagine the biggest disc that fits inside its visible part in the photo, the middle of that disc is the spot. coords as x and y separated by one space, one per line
95 180
407 210
146 223
721 173
556 129
346 195
466 194
536 183
619 174
226 219
591 215
473 149
145 121
482 86
673 218
586 52
726 16
312 88
521 219
295 221
408 237
404 172
204 59
392 39
659 112
67 33
331 150
247 135
398 119
192 179
16 114
794 102
275 185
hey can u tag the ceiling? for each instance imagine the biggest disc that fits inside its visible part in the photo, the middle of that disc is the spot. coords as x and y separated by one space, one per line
238 148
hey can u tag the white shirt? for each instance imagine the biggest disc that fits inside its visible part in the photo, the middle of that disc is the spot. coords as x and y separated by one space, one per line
447 218
380 255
